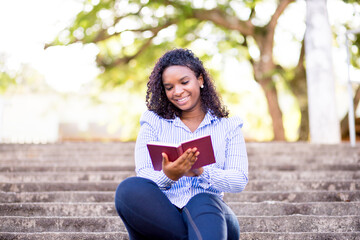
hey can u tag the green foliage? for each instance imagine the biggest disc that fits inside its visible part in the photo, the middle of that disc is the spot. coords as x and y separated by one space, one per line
351 1
5 81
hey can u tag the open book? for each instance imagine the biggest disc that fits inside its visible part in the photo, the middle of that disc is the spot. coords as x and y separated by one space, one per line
174 151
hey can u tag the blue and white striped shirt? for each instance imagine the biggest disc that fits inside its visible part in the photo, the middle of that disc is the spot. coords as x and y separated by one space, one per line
228 174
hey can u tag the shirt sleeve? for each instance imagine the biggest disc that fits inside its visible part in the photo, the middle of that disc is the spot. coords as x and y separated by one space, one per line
234 177
150 126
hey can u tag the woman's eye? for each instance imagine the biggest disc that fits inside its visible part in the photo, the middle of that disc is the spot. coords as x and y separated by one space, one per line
168 88
185 82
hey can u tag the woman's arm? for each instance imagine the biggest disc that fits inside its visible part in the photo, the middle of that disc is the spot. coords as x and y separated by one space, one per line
148 132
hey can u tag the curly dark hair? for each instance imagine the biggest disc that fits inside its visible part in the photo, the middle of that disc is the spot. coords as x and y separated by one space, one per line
156 99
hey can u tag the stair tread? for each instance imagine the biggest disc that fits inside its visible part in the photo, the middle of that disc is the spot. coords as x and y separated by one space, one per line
254 185
123 235
246 196
293 223
269 208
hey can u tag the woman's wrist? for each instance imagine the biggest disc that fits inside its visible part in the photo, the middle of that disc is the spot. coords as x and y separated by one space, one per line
195 172
198 171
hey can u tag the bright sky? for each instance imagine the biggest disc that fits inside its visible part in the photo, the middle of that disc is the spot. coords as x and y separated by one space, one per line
27 25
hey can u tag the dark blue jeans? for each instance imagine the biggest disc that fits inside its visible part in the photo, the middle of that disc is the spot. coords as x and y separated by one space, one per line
148 214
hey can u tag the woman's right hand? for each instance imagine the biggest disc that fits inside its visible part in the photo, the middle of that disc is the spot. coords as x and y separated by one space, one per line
178 168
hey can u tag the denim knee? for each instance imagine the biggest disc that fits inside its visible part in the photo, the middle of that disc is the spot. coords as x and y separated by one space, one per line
210 203
205 198
129 188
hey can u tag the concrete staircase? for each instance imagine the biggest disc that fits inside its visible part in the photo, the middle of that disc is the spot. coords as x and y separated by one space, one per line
66 191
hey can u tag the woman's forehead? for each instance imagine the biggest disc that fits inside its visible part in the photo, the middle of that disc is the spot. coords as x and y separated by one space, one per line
177 71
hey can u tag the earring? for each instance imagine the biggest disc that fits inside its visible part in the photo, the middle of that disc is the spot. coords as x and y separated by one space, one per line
202 86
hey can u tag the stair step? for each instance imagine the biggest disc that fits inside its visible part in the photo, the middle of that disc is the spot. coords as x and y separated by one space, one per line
246 196
304 167
114 147
98 176
285 209
301 185
306 159
297 236
61 224
81 209
59 196
324 175
294 196
125 166
349 158
64 235
73 176
294 223
299 223
124 236
83 147
254 185
66 168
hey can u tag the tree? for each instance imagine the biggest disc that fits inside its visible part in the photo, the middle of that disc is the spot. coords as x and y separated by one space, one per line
355 63
324 123
131 34
107 22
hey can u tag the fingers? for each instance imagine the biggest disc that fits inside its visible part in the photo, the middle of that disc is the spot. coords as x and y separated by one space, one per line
192 155
165 157
195 156
165 160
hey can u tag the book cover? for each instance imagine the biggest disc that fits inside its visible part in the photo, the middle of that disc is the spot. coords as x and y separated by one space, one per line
174 151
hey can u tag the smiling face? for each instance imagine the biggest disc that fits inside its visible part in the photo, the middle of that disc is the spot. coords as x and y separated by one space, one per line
182 88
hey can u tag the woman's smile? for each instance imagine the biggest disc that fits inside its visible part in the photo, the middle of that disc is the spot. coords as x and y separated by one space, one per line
182 101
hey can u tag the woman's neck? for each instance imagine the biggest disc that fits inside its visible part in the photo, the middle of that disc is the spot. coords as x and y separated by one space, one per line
192 119
192 116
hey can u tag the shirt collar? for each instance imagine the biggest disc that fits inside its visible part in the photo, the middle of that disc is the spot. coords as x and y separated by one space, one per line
208 119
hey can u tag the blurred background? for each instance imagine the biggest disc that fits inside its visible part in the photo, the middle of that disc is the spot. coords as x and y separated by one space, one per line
76 70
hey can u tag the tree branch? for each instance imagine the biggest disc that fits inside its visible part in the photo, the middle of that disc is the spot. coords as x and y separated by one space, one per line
275 17
127 59
301 56
265 40
222 19
102 35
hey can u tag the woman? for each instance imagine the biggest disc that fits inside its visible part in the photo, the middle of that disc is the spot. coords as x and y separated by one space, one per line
177 202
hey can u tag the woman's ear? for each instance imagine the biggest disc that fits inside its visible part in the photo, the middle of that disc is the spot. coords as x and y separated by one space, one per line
201 80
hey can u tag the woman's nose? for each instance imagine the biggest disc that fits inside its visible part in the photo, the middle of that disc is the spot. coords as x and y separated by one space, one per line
178 90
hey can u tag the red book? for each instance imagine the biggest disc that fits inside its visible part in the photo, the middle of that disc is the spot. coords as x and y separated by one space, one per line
174 151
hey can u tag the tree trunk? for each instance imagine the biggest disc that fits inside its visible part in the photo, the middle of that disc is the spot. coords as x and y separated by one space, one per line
324 123
274 108
263 71
299 89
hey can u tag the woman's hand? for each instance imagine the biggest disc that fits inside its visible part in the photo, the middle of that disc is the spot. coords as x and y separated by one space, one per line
181 166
